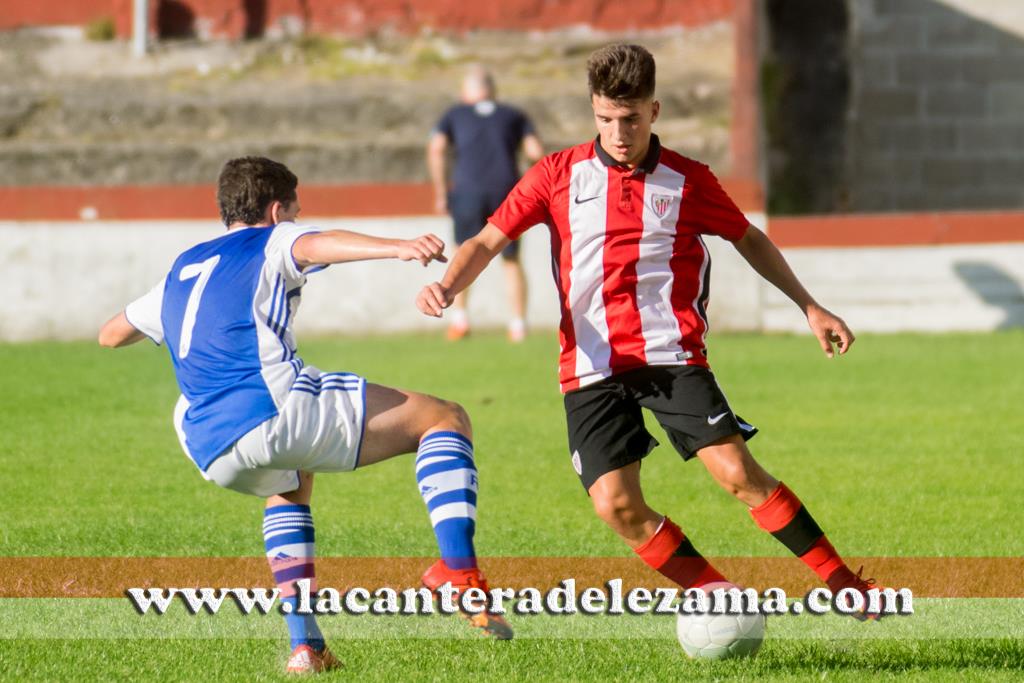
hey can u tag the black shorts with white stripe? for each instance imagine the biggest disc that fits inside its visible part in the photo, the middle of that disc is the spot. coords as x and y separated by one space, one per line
606 423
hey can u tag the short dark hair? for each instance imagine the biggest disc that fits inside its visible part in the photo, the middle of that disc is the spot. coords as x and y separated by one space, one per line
248 185
621 72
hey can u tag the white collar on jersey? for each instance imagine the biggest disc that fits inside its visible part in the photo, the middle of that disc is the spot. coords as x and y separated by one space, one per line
485 107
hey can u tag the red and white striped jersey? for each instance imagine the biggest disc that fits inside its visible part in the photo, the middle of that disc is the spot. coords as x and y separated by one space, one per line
631 268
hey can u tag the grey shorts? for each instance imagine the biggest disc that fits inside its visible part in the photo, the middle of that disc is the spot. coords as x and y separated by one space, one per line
317 429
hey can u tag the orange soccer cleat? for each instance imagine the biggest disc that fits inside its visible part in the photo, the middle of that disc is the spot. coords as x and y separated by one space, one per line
306 660
457 331
439 574
844 578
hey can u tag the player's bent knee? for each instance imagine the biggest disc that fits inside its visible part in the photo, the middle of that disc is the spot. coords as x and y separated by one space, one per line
743 479
733 477
463 417
456 416
619 510
732 470
442 415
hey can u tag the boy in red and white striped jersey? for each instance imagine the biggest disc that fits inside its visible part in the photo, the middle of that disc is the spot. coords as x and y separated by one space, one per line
627 219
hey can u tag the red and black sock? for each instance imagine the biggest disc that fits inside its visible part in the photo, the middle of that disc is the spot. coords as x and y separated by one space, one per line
786 518
670 553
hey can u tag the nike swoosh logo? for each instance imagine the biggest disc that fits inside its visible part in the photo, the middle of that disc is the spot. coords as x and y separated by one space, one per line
581 201
716 419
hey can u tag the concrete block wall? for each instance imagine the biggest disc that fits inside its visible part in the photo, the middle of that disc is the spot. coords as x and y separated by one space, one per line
63 279
939 288
936 112
235 19
85 272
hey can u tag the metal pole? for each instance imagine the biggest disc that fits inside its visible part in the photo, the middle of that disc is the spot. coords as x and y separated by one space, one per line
140 27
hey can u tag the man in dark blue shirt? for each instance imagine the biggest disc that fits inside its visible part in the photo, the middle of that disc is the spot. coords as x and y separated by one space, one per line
486 137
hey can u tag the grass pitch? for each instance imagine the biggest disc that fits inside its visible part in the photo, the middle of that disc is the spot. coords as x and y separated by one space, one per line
907 447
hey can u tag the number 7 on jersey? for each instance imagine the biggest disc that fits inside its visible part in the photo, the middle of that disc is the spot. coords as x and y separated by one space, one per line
202 271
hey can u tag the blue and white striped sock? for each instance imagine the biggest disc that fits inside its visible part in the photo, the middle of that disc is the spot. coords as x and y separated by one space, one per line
289 539
447 479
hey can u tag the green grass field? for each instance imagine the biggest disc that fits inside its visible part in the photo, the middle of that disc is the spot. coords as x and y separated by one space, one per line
908 447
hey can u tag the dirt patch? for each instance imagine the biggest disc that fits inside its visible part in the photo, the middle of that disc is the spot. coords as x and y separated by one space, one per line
108 577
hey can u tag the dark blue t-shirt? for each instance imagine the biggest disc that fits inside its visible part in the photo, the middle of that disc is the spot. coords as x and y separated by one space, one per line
486 137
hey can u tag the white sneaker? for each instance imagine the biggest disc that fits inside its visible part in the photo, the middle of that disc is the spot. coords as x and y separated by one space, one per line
517 331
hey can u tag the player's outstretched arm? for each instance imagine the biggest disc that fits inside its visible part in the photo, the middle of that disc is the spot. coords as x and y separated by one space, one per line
469 261
762 254
119 332
342 246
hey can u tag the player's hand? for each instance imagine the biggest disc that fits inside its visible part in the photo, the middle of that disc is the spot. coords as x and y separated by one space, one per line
433 299
423 249
829 329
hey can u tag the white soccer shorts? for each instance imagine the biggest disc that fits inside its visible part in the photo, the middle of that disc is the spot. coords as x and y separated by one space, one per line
319 428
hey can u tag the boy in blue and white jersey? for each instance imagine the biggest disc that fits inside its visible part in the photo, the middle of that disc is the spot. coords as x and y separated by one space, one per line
255 419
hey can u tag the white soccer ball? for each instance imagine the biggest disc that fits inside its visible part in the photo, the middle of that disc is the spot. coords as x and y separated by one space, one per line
720 636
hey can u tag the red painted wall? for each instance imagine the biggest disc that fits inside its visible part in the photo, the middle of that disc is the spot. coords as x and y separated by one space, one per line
165 202
197 202
745 129
230 18
18 13
897 229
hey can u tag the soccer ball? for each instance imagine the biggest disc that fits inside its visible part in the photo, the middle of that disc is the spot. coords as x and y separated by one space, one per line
720 636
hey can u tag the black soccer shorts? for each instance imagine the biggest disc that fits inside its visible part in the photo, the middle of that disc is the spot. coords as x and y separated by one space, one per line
606 425
470 211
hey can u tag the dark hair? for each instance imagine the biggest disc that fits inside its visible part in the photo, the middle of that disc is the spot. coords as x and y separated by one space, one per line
621 72
248 185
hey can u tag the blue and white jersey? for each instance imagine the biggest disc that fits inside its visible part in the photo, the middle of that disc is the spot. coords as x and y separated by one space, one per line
225 310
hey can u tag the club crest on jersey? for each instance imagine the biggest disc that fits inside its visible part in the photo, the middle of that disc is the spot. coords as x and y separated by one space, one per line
662 203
